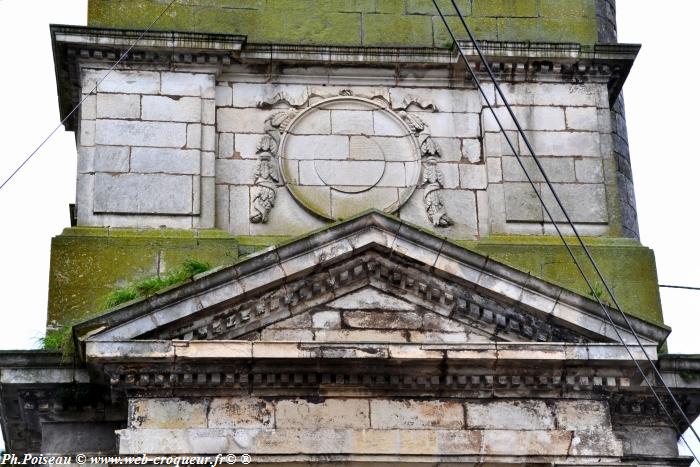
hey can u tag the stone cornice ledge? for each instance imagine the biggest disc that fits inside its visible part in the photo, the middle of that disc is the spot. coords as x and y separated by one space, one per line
192 351
609 63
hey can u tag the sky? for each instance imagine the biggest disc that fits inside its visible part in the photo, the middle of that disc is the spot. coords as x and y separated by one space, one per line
660 100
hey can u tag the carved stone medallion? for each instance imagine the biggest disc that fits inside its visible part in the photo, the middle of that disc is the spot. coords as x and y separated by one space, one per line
346 154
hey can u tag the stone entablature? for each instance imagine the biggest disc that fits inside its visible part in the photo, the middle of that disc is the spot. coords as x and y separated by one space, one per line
284 401
216 143
365 341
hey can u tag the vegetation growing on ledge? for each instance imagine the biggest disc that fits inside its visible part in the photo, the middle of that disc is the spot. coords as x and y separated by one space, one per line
61 339
152 285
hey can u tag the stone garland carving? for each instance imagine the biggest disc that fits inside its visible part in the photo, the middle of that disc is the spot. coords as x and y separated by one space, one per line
266 177
433 180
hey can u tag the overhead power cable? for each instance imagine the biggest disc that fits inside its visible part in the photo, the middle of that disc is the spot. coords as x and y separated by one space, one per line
679 287
566 216
121 58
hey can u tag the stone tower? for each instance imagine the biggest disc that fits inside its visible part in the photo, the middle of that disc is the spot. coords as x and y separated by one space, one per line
382 285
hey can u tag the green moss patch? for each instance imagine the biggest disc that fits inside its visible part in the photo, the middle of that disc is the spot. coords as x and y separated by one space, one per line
61 338
407 23
88 264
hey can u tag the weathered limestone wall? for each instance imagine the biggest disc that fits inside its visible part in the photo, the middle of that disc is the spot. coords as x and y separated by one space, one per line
569 128
146 150
154 152
279 425
363 22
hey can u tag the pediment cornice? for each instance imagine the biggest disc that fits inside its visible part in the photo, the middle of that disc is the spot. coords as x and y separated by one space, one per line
371 249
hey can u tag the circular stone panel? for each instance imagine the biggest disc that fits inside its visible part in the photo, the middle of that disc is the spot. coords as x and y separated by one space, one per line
345 155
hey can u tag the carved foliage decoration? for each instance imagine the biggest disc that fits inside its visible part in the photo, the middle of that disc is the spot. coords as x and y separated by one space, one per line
433 180
267 177
340 176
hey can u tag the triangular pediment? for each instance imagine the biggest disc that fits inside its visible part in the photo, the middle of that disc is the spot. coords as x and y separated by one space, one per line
372 315
371 279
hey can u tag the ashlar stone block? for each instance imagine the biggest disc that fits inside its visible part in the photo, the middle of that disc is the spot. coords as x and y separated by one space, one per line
530 118
167 413
165 160
384 125
240 412
87 132
118 105
241 120
556 143
457 125
144 194
235 171
223 94
136 133
584 203
382 320
246 145
164 108
521 203
473 176
444 100
471 151
253 94
582 118
194 136
111 159
226 145
413 414
318 147
558 169
187 84
589 170
122 81
510 415
351 122
317 122
331 413
369 298
582 415
326 320
557 94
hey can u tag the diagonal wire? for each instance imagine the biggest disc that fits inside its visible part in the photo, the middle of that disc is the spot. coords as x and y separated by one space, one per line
546 209
121 58
684 287
569 221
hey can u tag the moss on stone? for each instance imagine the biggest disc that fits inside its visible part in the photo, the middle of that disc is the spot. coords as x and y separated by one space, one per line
506 8
136 14
567 9
483 28
397 30
627 266
579 30
357 22
426 7
87 263
391 6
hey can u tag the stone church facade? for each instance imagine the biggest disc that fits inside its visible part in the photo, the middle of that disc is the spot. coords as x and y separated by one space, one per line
386 288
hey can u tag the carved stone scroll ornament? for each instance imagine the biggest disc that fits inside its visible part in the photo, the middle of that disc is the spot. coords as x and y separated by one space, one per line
433 180
266 177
